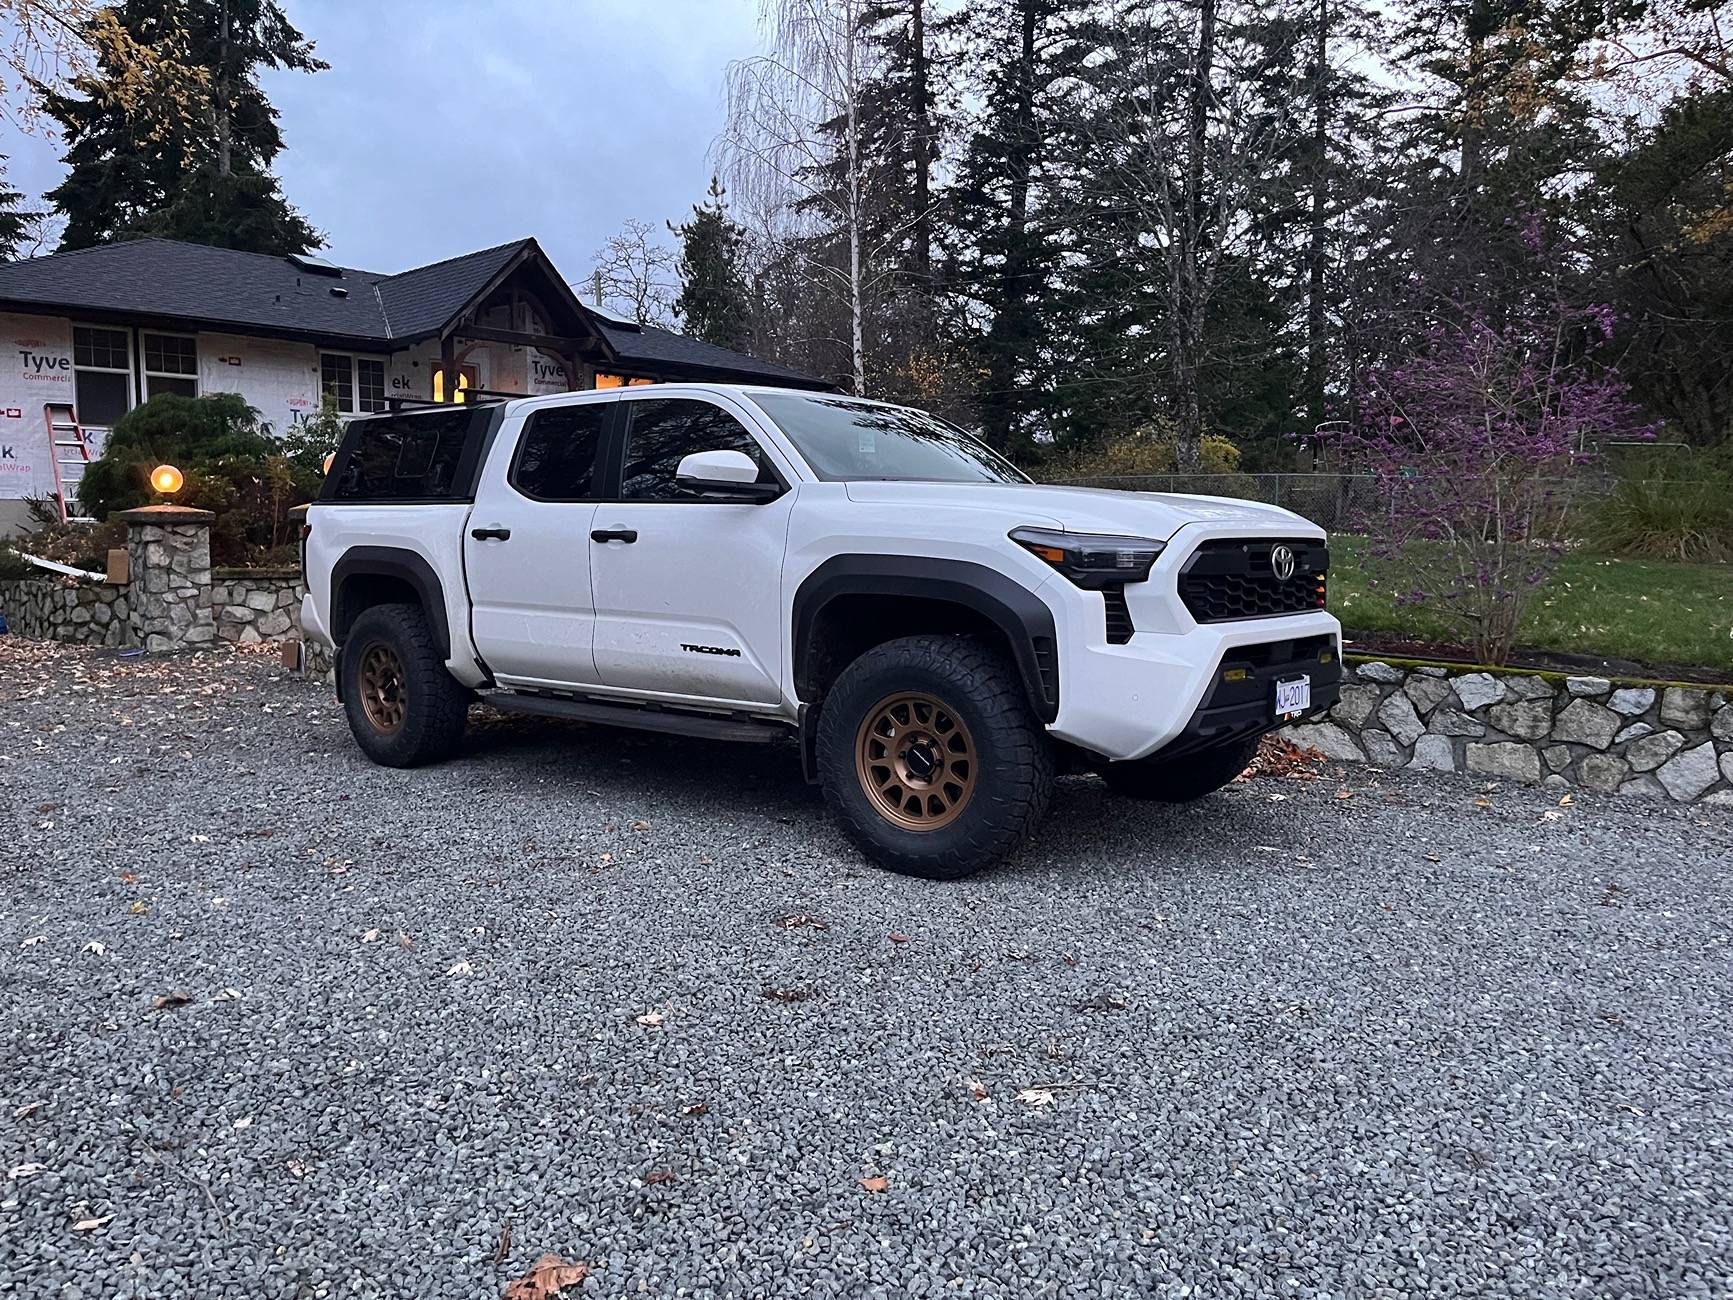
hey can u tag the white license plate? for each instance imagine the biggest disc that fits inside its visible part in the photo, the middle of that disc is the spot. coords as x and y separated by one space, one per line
1293 696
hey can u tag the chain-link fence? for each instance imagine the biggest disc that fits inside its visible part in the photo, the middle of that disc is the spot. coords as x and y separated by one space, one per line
1335 502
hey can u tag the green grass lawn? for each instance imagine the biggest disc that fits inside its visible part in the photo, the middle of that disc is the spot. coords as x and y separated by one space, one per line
1650 611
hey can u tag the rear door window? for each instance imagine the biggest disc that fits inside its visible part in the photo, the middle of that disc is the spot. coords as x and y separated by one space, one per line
557 455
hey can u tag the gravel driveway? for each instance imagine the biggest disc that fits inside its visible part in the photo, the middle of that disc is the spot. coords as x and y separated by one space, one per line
635 1002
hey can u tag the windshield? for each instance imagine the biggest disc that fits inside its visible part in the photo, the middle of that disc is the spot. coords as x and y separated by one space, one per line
844 439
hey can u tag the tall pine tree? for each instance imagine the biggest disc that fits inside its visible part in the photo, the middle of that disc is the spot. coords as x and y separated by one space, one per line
205 176
713 304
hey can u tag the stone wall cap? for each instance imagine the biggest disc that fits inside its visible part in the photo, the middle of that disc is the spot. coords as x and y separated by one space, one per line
166 514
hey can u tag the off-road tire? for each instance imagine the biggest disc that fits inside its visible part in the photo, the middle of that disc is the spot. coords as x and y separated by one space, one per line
1010 775
430 706
1180 780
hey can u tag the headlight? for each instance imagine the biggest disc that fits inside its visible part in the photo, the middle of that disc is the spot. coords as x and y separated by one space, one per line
1092 560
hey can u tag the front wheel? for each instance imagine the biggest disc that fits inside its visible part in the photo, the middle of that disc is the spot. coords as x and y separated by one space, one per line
404 708
1180 780
931 757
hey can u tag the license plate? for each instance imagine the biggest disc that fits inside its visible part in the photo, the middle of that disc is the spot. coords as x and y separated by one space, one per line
1293 696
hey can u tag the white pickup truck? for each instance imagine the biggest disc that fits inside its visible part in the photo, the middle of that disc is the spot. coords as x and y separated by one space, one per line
939 634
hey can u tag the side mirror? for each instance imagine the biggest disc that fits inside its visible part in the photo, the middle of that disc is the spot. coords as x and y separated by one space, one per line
724 476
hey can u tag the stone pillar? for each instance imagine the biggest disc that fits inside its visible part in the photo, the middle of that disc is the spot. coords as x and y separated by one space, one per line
169 602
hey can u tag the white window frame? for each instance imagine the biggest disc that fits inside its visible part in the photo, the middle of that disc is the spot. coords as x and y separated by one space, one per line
146 374
353 358
131 379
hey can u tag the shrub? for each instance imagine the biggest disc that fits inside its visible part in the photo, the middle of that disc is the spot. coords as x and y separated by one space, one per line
1667 518
1147 451
232 468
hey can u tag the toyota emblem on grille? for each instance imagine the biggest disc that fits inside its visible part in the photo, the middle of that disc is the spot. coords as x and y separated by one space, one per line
1282 562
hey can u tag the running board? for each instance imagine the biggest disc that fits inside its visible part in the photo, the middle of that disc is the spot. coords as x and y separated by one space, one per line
637 717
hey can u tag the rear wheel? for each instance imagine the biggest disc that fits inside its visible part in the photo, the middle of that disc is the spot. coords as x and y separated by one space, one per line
931 757
1180 780
403 707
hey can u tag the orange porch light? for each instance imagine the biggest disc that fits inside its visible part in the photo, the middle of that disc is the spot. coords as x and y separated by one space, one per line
166 479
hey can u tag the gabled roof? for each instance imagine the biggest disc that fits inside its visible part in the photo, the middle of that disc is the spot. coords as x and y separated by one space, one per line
198 286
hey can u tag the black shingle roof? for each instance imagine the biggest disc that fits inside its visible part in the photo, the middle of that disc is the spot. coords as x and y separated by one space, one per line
653 348
220 288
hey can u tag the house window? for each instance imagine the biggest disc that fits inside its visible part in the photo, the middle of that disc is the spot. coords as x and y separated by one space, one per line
171 364
466 380
620 381
352 383
102 374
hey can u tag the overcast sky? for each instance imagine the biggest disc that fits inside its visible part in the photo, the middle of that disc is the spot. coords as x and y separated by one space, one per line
445 126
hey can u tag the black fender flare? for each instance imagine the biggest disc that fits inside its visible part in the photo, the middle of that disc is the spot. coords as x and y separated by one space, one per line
1015 610
388 562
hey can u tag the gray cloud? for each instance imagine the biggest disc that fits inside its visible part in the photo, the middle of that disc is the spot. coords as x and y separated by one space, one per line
445 126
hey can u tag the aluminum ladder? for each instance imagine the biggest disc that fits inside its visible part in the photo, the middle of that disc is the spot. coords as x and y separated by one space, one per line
71 452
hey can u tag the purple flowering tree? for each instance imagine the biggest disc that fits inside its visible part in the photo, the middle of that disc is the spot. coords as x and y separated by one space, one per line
1477 441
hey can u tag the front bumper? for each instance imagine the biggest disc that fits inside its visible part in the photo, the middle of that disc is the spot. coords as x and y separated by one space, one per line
1241 703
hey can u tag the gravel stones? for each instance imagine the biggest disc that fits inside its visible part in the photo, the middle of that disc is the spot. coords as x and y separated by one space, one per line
1426 1040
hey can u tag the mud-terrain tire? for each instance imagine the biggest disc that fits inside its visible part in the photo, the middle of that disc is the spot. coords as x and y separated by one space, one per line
403 707
931 757
1180 780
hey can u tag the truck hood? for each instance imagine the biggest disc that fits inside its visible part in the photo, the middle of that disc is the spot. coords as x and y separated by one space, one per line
1156 515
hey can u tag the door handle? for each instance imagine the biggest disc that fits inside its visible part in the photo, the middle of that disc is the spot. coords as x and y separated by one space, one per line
495 533
614 535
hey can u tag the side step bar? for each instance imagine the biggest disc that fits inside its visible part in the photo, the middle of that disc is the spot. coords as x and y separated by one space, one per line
638 717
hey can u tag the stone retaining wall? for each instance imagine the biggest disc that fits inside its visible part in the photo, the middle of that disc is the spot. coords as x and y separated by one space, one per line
75 610
257 604
1588 732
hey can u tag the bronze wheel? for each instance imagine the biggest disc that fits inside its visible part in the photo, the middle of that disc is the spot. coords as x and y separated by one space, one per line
916 761
382 694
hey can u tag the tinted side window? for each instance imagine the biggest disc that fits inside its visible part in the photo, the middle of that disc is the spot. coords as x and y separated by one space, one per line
556 459
665 429
405 457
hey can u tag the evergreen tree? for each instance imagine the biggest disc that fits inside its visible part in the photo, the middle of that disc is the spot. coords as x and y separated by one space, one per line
713 304
16 223
150 168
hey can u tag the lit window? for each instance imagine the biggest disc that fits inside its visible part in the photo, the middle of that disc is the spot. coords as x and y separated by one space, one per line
620 381
466 380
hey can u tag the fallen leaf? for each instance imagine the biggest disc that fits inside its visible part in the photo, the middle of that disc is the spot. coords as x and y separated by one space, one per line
787 995
640 826
460 968
298 1168
168 1001
33 940
245 1121
1551 815
503 1248
1344 794
94 947
547 1277
899 938
1566 802
28 1108
129 877
877 1183
1483 802
1103 1002
977 1089
798 919
1036 1097
139 907
403 939
696 1108
650 1019
91 1225
370 936
28 1170
658 1177
1433 857
227 995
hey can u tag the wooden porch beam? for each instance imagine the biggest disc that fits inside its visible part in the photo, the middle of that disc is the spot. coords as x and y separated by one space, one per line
523 338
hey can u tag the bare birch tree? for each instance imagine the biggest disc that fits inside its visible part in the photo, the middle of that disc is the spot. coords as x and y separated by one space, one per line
791 143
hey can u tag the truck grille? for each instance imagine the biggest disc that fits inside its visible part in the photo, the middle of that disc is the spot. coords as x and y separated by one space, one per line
1119 625
1230 580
